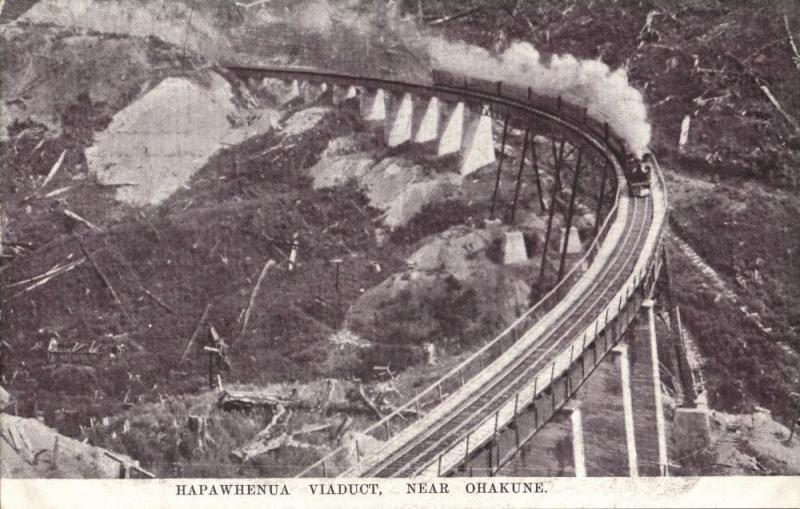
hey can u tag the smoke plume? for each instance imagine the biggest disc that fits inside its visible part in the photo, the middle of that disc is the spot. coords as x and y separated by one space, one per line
351 31
587 83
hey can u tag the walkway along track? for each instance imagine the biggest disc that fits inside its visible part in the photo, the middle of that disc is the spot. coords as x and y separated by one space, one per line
437 438
583 313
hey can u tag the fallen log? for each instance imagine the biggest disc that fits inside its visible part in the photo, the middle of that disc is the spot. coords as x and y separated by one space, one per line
102 275
58 191
796 57
251 4
256 445
762 85
270 263
246 400
193 337
369 403
56 269
323 406
80 219
766 91
452 17
54 169
337 434
252 450
307 429
159 302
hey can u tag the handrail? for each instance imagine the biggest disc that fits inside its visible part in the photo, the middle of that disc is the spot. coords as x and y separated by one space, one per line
626 291
484 355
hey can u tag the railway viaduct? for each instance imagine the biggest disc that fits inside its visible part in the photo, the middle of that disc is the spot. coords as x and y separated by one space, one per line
573 386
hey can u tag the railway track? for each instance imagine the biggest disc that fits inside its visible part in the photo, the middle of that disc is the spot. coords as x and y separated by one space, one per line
417 447
439 437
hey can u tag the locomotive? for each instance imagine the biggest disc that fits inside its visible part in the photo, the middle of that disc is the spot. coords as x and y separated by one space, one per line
639 175
637 170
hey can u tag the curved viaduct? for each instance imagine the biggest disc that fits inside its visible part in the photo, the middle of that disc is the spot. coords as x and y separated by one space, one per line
499 397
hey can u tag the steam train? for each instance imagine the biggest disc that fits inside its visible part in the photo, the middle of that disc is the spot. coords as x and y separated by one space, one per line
637 170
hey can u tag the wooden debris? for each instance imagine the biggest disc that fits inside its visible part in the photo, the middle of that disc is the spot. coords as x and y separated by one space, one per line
307 429
76 217
193 337
254 449
337 434
251 4
762 85
36 456
701 100
159 302
280 146
293 253
369 403
105 279
58 191
265 441
115 184
245 400
796 57
196 423
789 118
42 279
323 406
24 437
267 266
683 139
53 271
9 436
55 168
259 442
54 455
460 14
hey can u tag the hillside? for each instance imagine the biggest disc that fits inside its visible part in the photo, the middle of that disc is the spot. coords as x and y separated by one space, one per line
181 242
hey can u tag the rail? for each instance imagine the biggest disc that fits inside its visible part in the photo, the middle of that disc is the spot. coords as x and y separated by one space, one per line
455 378
646 266
647 263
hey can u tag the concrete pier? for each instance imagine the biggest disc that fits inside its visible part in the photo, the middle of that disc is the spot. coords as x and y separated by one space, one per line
514 248
451 136
477 148
312 92
373 106
627 407
644 395
652 392
691 430
282 91
293 92
401 113
574 245
578 451
341 93
427 127
605 446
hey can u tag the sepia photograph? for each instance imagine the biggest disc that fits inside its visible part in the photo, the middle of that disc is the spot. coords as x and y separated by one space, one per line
416 253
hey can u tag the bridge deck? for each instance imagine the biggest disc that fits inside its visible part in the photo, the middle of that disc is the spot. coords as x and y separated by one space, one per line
541 354
436 438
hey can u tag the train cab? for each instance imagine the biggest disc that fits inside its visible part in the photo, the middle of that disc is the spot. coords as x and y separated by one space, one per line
639 179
